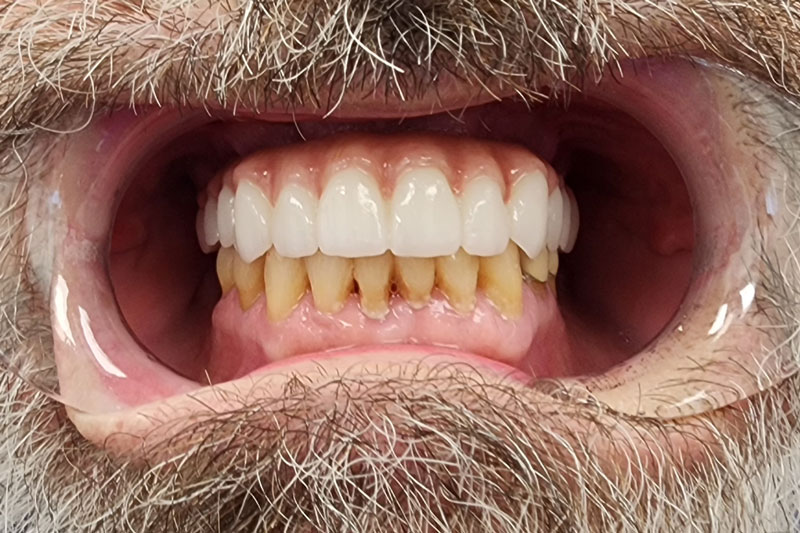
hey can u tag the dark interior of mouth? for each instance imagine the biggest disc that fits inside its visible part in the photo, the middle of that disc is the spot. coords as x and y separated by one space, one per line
617 290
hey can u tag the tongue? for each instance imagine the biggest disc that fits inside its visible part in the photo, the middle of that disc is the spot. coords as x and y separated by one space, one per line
244 341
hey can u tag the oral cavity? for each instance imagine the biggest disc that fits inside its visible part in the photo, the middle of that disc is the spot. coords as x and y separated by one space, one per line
383 225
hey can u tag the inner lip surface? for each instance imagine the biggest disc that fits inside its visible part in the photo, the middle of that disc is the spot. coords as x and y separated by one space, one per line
81 330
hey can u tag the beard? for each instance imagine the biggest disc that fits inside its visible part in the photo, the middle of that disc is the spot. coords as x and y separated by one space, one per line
428 453
442 450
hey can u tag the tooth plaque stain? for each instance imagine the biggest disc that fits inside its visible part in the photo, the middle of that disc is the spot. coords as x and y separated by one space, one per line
284 281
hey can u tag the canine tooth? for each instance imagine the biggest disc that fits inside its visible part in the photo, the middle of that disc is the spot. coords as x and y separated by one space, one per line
415 277
426 220
527 207
537 267
555 210
249 278
352 216
210 222
293 221
457 277
199 226
484 217
225 259
552 263
574 222
252 213
374 278
500 278
331 281
285 282
225 217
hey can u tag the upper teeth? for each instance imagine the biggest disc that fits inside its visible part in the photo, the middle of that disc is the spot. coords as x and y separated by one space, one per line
422 218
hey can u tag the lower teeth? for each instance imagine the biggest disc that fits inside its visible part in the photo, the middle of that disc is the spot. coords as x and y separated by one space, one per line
285 281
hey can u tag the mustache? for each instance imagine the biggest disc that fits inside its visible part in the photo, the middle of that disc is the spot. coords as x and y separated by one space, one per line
428 453
284 53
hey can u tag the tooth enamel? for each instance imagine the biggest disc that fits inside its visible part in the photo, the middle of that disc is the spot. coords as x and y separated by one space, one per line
484 217
426 220
552 263
225 217
199 226
285 284
352 216
331 281
527 207
566 220
374 278
574 222
225 259
210 222
537 267
249 278
415 277
555 210
252 213
457 277
293 222
500 278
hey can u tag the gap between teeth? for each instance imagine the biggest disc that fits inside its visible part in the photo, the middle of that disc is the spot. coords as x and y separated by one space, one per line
285 281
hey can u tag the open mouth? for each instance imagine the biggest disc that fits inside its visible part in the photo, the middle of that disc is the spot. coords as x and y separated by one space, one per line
571 240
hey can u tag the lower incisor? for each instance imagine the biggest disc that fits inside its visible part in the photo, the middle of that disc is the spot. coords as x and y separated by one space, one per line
285 281
331 281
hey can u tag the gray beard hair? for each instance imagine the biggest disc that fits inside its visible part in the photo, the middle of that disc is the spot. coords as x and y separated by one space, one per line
426 454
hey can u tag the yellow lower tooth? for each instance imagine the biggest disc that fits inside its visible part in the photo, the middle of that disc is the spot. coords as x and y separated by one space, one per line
500 278
552 264
374 278
331 281
249 278
225 258
415 277
285 282
457 277
537 268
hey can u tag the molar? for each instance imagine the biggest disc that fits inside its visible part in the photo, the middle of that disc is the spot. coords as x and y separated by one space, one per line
527 208
210 228
352 216
555 212
426 220
574 222
294 221
484 217
252 214
225 216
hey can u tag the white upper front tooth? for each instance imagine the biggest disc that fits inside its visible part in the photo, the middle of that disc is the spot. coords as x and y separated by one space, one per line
574 221
555 212
426 220
527 208
200 228
352 216
484 216
225 217
293 222
253 213
210 222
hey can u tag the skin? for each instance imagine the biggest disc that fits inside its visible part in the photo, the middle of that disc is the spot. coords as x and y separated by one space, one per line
447 450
